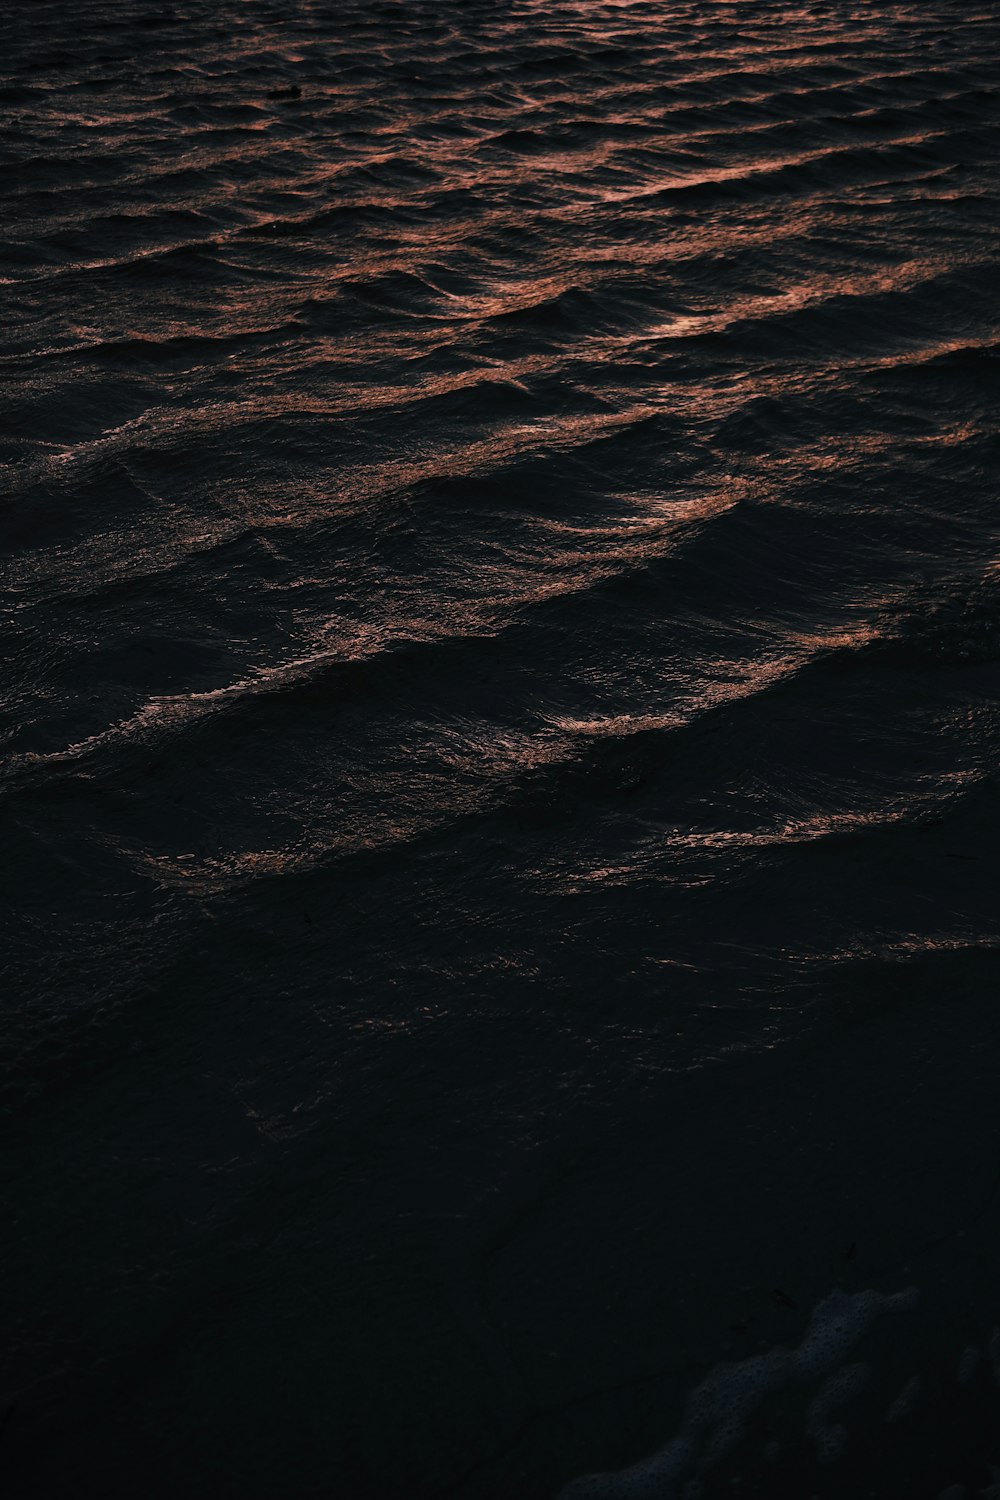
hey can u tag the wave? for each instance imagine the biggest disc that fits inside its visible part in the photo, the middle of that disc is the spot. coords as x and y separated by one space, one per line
499 595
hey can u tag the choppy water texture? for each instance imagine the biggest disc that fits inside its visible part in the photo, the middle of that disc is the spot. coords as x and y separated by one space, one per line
500 732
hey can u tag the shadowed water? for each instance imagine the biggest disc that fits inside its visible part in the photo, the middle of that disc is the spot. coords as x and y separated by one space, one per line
499 734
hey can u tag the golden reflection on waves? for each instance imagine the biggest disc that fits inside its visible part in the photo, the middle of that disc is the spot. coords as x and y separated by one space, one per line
504 328
501 609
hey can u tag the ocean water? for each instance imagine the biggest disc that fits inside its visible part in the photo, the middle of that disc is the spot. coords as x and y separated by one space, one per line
498 746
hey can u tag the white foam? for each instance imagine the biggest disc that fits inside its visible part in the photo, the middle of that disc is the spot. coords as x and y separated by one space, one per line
716 1410
831 1437
905 1401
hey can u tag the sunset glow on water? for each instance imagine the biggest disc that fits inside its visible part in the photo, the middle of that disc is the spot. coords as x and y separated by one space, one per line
498 749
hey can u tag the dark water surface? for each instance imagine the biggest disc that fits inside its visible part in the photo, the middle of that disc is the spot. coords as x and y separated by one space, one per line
499 748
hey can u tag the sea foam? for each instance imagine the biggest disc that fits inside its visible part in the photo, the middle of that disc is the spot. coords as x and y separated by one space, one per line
717 1410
